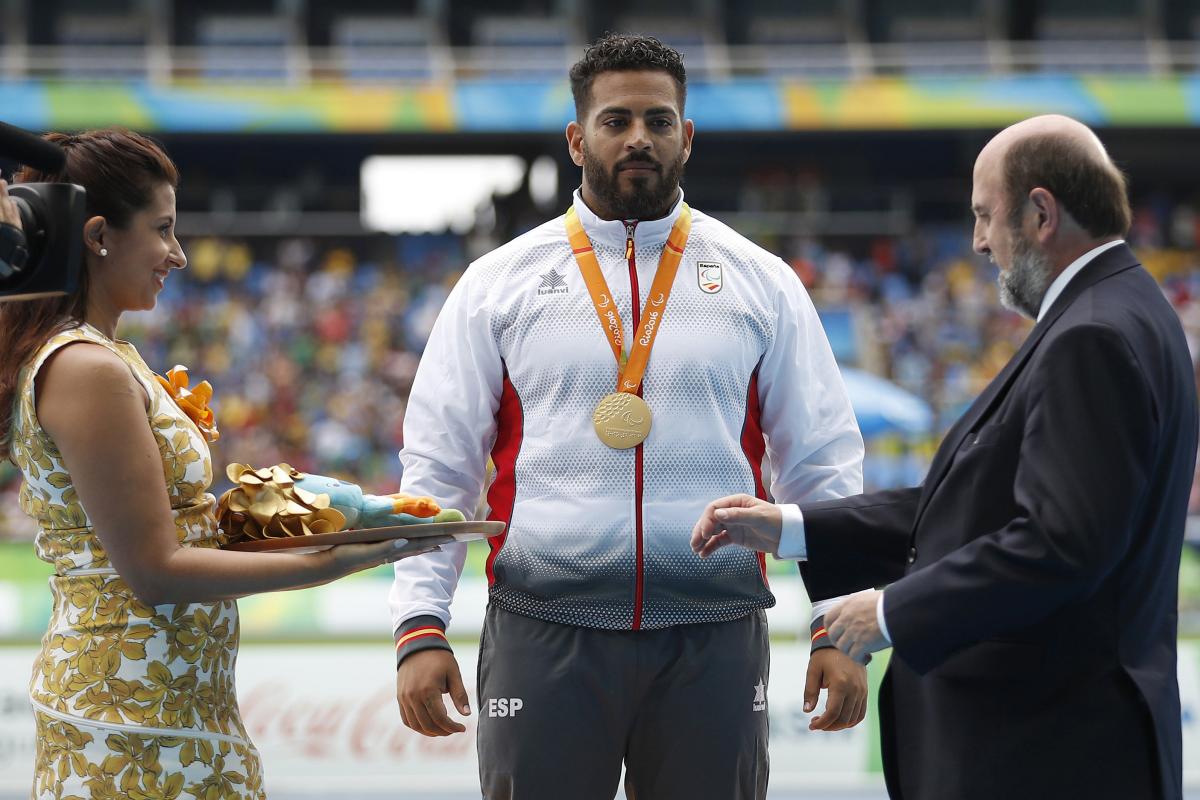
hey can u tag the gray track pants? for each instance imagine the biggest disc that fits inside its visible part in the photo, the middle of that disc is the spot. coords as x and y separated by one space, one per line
561 707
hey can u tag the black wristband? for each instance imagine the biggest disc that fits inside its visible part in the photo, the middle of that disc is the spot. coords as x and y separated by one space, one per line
420 633
820 637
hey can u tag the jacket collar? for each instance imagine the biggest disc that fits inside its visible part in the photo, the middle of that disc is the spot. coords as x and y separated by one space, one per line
1106 264
613 232
1067 275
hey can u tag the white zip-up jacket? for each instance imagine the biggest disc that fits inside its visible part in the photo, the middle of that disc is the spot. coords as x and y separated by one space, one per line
598 537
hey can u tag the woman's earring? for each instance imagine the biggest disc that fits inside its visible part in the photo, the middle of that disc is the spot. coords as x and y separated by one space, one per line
103 251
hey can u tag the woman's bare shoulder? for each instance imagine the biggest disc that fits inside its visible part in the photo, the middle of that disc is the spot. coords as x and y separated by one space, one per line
76 363
83 376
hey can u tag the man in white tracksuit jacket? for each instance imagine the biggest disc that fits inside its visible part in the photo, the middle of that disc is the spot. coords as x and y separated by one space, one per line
607 641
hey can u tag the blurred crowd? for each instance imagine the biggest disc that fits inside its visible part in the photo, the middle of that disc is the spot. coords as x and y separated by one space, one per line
311 345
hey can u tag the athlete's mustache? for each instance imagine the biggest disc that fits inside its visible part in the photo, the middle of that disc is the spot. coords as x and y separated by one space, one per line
646 161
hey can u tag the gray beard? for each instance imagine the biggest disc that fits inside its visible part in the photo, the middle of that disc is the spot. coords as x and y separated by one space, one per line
1024 284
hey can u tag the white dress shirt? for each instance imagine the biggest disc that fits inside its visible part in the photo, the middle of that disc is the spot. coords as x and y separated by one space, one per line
1070 272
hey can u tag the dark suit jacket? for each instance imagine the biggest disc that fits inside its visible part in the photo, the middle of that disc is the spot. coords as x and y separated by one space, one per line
1034 575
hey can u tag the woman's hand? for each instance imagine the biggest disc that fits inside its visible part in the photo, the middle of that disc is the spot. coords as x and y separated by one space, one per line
8 208
348 558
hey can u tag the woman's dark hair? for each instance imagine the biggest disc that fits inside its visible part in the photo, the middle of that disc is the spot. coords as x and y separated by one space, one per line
624 53
120 170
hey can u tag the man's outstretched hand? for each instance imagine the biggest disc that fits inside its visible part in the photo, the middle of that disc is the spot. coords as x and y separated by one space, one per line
738 519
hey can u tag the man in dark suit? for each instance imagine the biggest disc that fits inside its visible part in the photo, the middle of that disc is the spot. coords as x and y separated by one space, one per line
1033 576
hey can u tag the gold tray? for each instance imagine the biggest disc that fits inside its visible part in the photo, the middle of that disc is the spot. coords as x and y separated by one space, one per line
456 531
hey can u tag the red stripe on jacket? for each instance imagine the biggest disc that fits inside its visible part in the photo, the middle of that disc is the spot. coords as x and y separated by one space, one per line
754 446
510 426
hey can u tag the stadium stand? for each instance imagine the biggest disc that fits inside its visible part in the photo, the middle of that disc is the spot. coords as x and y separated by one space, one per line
367 41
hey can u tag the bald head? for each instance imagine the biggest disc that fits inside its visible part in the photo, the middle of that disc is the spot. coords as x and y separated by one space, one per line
1065 158
1054 126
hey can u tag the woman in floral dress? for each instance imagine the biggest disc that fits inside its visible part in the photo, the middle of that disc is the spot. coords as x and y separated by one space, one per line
133 691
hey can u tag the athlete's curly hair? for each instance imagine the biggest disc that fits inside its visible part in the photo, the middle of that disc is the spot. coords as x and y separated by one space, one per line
616 52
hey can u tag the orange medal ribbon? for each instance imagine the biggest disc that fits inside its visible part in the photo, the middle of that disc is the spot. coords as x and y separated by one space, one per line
622 419
630 373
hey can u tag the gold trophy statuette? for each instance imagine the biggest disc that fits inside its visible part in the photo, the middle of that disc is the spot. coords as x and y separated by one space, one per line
622 420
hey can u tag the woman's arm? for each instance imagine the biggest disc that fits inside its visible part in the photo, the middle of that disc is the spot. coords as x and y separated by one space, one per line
95 411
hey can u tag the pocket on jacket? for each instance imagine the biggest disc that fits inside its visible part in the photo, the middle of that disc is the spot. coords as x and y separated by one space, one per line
994 432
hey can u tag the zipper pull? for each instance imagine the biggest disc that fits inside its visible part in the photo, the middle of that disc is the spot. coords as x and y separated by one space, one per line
629 227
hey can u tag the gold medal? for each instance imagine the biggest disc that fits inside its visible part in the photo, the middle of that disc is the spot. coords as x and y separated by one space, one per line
622 420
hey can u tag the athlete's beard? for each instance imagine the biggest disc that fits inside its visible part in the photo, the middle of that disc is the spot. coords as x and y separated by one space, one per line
648 198
1023 285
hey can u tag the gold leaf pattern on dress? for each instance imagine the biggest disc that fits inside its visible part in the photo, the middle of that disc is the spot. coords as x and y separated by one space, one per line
109 657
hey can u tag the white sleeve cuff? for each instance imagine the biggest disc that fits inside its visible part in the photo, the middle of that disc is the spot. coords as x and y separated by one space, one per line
881 620
820 607
792 546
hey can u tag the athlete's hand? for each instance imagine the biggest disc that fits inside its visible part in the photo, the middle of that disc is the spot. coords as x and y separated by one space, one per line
738 519
421 681
846 682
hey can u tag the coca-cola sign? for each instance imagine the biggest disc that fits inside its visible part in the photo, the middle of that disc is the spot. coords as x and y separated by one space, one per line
319 712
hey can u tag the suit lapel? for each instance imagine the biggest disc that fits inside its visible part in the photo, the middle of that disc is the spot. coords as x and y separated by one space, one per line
1108 263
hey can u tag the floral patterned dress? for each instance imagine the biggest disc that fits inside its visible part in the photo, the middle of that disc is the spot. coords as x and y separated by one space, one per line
130 701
